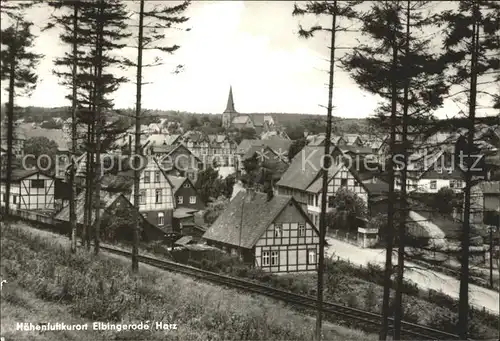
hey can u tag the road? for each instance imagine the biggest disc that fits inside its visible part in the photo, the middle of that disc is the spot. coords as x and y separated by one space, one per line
426 279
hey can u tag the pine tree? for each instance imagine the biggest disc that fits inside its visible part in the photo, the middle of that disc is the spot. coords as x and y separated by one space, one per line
159 18
18 66
69 22
473 56
396 64
337 10
108 26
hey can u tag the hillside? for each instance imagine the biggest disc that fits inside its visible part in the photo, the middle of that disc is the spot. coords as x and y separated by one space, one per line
39 114
47 284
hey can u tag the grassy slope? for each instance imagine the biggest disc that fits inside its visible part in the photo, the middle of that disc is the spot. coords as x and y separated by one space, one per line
46 283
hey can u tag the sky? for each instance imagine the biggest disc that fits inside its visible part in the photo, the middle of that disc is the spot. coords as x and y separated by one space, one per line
252 46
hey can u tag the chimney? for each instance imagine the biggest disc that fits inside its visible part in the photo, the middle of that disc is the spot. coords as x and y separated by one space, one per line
270 194
251 193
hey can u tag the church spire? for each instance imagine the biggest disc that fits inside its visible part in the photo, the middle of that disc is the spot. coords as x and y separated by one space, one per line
230 102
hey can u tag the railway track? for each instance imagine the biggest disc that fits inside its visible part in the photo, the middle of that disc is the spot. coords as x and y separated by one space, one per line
408 329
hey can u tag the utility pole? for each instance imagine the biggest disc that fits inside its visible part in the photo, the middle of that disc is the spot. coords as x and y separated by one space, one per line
324 189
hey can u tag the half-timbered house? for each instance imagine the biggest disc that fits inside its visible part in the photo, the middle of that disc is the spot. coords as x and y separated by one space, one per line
269 232
303 180
178 160
156 199
29 190
115 210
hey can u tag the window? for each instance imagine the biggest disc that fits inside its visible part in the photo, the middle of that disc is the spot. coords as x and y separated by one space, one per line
433 184
331 201
316 200
310 200
274 258
311 257
277 230
147 177
302 230
142 197
37 183
458 184
158 196
192 200
180 200
265 258
157 176
343 182
145 215
186 185
161 219
343 174
14 199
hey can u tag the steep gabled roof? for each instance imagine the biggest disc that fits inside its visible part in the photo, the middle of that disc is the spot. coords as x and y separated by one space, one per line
241 119
230 102
177 181
277 144
304 168
351 138
248 216
317 185
20 174
171 139
107 199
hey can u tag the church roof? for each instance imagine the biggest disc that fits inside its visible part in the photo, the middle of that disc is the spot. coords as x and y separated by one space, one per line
230 102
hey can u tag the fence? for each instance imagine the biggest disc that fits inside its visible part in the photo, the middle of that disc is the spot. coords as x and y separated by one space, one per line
348 237
34 216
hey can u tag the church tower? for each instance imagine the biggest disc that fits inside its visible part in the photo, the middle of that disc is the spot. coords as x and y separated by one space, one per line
228 114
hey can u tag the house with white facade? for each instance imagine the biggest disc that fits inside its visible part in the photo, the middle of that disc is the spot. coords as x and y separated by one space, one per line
430 173
303 180
272 233
29 190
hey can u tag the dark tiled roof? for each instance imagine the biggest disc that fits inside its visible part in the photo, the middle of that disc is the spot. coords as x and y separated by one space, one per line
107 199
277 144
378 187
246 217
317 185
304 168
356 149
19 174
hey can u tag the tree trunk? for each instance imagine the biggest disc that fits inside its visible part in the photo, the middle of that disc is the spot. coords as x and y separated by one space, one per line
398 312
390 209
72 203
324 190
100 122
463 305
137 228
10 121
